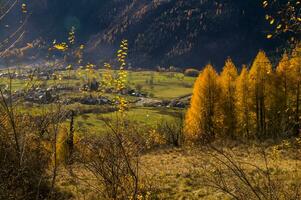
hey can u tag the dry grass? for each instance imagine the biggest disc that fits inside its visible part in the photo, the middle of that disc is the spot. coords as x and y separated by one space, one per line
178 173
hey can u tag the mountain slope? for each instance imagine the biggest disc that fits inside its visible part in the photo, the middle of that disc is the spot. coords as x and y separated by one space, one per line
160 32
187 33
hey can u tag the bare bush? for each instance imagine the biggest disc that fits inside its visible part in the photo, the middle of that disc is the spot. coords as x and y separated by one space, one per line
24 153
240 180
114 161
172 131
22 173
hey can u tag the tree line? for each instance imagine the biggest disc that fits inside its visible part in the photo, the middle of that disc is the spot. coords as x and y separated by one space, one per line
259 102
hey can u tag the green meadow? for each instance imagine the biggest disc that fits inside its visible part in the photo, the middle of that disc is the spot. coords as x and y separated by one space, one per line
157 86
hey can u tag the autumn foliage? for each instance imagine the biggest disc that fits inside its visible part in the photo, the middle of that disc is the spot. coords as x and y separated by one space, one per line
202 117
228 89
261 102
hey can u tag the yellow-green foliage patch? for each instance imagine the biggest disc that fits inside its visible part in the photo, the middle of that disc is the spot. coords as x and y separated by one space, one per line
149 117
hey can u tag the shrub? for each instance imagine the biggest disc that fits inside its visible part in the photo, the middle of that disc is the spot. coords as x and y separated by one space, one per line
138 87
24 158
239 179
114 160
172 131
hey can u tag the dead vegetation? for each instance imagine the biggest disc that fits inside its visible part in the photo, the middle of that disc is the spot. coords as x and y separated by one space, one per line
232 171
26 153
114 161
240 179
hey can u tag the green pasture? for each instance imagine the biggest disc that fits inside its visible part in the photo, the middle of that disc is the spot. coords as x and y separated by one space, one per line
149 117
162 85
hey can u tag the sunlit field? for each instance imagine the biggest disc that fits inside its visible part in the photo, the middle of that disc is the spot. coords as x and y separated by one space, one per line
164 86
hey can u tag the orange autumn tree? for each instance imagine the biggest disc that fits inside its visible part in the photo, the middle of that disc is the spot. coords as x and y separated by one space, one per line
260 91
295 64
227 102
243 103
283 82
201 122
193 118
260 103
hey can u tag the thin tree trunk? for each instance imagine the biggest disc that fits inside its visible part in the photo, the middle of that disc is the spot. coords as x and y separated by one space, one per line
297 120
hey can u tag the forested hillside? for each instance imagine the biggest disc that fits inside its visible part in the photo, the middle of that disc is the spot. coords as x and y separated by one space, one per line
160 32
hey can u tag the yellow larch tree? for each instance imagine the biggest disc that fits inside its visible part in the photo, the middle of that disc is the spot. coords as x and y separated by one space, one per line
202 118
193 118
227 102
295 63
242 97
283 75
282 95
260 89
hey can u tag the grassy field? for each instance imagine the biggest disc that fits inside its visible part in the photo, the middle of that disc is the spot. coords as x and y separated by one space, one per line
148 117
91 118
158 85
182 173
162 85
166 85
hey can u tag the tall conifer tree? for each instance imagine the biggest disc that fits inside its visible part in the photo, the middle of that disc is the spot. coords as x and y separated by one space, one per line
227 102
295 63
283 81
243 103
203 116
260 90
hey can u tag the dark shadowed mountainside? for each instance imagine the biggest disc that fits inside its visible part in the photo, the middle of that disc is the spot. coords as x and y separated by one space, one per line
187 33
182 33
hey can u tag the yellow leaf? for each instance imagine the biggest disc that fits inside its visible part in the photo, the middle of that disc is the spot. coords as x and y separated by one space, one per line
265 4
267 17
269 36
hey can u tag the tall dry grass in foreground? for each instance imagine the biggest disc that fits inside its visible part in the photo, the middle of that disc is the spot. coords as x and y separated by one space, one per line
240 179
